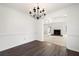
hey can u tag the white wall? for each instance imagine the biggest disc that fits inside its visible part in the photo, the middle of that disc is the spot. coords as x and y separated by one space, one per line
70 16
16 28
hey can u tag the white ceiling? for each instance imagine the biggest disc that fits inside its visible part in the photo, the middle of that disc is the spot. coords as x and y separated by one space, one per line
25 7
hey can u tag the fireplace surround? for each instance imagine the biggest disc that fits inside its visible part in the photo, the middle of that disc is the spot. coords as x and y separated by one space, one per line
57 32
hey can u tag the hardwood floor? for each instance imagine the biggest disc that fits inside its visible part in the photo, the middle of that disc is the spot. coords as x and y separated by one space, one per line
72 53
37 48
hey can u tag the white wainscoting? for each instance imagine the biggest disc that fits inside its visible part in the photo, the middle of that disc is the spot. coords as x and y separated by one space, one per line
9 40
72 42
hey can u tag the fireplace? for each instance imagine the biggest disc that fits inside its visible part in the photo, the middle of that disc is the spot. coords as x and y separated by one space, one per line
57 32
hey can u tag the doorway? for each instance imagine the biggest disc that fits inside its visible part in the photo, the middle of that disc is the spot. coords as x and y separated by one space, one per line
55 33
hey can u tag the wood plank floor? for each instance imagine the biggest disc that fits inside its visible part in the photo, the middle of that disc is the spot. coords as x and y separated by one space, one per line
37 48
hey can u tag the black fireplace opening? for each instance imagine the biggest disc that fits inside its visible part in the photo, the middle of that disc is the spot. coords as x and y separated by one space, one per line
57 32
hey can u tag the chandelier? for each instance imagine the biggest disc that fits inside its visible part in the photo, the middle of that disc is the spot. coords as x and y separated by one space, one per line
37 12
